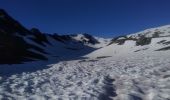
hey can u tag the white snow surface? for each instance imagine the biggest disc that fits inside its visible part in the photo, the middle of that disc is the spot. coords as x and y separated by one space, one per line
138 76
114 72
103 42
129 47
163 30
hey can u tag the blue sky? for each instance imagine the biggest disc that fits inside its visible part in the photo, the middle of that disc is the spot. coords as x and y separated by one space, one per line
105 18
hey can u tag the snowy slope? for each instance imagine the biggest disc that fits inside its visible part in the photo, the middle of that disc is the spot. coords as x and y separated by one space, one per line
159 31
91 41
142 76
128 44
114 72
83 67
129 47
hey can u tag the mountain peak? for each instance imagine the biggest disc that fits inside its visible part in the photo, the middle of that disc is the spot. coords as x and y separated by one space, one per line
35 30
10 26
2 12
86 38
4 15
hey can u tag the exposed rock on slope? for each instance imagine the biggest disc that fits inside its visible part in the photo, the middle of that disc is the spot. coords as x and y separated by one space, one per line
144 37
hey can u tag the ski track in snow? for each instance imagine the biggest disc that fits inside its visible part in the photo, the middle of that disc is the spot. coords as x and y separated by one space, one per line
133 77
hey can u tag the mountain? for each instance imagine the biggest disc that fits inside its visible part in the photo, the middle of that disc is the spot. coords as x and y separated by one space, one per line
144 37
39 66
150 40
14 48
18 44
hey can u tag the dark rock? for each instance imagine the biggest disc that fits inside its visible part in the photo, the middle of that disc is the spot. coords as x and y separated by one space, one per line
13 47
143 41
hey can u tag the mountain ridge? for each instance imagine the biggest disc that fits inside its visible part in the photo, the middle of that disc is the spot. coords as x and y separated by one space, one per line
19 44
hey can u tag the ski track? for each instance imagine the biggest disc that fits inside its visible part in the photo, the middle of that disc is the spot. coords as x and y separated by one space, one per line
134 77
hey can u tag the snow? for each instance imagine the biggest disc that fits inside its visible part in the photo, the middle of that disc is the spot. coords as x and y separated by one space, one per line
164 30
129 47
143 76
102 41
79 37
118 72
113 49
68 50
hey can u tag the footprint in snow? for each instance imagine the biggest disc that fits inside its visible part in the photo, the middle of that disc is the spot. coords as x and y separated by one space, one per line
109 89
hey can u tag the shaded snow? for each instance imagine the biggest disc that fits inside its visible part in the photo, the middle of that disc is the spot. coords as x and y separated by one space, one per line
132 77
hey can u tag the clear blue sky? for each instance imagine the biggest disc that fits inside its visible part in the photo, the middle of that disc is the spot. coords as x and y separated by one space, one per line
98 17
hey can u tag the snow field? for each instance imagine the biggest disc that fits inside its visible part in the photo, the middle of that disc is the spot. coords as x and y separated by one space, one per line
132 77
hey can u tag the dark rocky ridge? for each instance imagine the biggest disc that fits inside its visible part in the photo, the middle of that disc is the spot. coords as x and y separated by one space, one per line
143 37
13 47
18 44
140 41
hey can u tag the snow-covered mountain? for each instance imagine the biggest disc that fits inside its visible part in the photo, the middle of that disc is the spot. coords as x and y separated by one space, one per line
150 40
18 44
83 67
162 31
